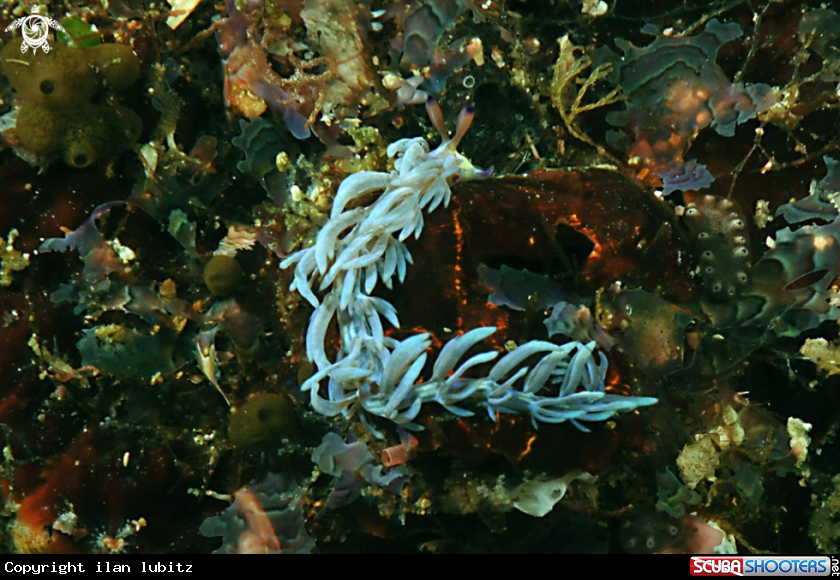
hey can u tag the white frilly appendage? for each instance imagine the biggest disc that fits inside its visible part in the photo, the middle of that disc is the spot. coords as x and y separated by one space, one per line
374 374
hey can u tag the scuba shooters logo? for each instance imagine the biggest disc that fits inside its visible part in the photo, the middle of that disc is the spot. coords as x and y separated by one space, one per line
726 566
35 30
764 566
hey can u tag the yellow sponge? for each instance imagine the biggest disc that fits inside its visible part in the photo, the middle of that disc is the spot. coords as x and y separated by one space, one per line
57 117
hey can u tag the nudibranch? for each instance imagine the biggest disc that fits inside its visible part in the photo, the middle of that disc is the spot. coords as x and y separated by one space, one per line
375 374
449 145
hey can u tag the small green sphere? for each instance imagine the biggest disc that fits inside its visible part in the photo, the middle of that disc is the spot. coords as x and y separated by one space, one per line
222 275
263 422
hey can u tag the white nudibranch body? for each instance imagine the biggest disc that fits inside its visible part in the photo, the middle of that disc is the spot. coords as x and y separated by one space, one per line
374 374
